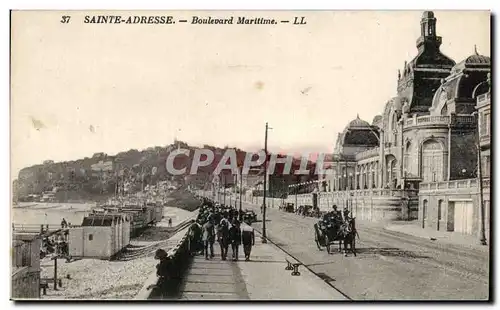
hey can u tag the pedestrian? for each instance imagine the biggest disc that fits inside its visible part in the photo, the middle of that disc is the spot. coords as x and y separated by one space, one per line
209 238
169 222
164 271
247 238
235 235
223 237
64 224
195 238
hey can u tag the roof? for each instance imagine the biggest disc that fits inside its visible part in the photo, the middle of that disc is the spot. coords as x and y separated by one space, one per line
473 61
26 236
428 14
99 220
358 123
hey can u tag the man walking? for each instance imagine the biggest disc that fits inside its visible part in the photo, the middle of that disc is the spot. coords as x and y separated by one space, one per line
235 235
223 237
195 238
209 238
248 239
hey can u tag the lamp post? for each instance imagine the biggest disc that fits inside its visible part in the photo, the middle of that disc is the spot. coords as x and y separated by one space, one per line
482 239
241 189
264 237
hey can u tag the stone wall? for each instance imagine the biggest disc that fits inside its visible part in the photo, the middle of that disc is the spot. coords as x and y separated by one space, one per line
440 200
371 205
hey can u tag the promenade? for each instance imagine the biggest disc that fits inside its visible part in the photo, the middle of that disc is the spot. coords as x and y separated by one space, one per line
262 278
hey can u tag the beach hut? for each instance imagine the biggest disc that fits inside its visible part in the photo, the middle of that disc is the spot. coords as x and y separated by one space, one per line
25 272
99 236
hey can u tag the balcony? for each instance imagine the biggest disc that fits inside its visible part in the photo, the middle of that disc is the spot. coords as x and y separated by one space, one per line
427 120
376 192
368 154
454 185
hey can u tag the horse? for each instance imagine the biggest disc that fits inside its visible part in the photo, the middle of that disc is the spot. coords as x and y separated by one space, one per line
347 235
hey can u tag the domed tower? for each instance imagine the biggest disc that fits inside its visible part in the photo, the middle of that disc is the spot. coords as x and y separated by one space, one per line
456 93
421 77
357 136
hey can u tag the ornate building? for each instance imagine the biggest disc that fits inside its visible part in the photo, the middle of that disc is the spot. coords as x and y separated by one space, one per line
418 159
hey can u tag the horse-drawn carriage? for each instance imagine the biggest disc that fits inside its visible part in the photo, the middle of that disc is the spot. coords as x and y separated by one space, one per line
288 207
329 232
249 215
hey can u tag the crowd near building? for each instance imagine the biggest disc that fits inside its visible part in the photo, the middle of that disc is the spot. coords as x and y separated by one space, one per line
418 160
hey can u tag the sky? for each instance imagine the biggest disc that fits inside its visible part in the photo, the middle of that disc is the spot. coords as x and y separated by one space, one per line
77 88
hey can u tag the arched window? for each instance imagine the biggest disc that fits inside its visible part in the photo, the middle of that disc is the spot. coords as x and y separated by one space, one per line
394 170
432 161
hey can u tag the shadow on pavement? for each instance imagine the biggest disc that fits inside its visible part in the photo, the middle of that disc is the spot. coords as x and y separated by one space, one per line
390 252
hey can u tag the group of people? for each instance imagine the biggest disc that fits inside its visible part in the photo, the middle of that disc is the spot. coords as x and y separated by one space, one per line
56 244
225 225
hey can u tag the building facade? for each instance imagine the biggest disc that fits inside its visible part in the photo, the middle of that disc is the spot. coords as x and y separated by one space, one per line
419 158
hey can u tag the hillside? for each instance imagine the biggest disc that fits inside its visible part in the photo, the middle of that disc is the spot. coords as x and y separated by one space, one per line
102 175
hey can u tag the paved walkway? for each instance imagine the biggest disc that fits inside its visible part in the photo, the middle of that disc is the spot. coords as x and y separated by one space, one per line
262 278
413 228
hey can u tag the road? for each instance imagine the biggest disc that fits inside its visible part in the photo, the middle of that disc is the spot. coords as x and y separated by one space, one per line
389 265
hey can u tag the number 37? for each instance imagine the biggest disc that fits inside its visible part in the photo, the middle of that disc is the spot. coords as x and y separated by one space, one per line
65 19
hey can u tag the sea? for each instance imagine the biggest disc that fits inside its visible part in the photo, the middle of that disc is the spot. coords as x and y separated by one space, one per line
30 213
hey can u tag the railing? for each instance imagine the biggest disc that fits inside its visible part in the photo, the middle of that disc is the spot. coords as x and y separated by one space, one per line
483 98
179 256
453 184
439 120
377 192
465 119
368 153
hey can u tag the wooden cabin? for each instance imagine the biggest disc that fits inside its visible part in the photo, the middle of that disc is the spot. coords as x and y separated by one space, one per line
100 236
25 272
